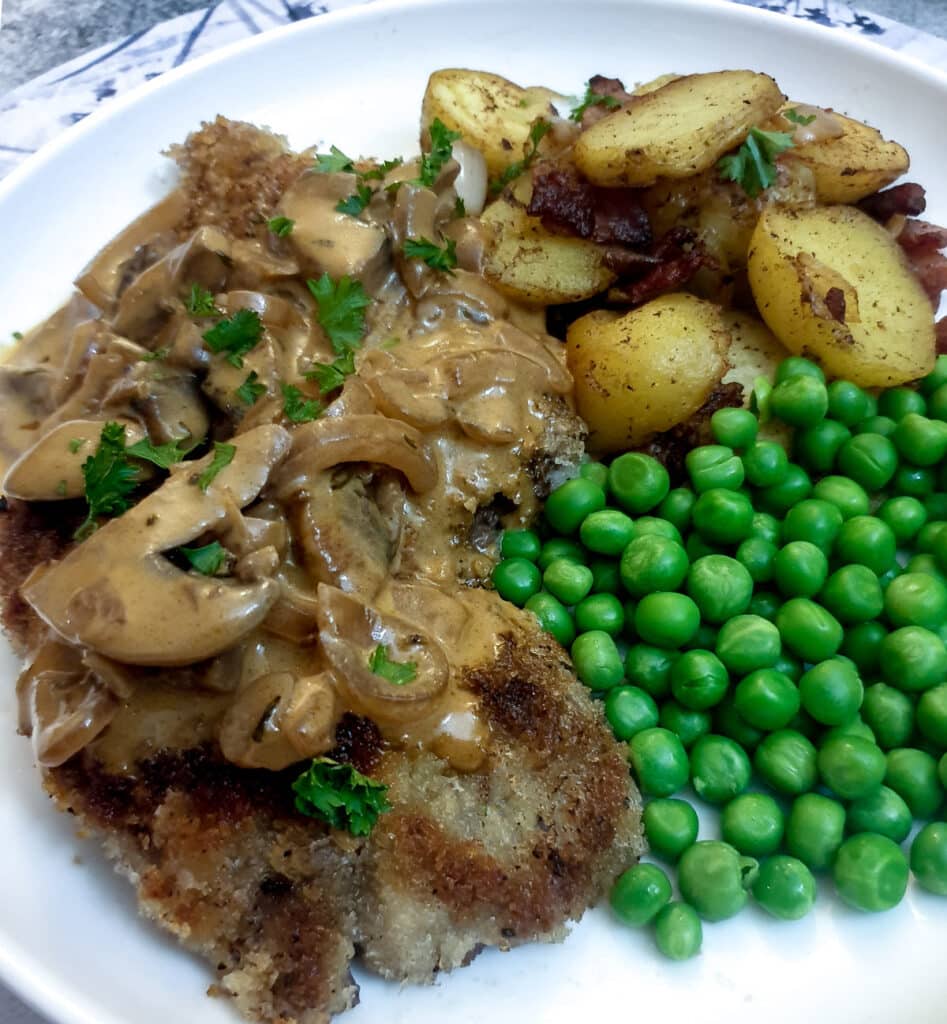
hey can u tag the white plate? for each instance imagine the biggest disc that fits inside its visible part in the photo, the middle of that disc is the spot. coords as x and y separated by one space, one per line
70 941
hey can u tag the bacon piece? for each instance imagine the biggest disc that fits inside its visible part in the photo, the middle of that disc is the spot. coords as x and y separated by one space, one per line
602 86
906 200
676 258
922 242
940 332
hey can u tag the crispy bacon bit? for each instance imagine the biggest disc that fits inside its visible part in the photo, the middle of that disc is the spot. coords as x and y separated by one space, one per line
835 304
940 330
602 86
676 258
906 200
922 243
566 203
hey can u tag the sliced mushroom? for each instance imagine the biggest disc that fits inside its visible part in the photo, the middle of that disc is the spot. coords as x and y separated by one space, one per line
25 397
167 401
119 595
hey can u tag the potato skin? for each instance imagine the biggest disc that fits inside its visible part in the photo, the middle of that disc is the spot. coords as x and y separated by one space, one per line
834 285
646 370
677 130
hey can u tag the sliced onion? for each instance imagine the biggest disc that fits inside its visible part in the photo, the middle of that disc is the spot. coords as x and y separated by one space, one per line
471 183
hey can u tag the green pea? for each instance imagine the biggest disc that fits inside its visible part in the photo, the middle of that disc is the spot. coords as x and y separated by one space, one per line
735 428
666 620
520 544
720 769
696 547
890 715
920 440
831 691
753 824
938 376
765 464
798 366
851 767
699 679
854 727
793 488
866 540
605 576
746 643
720 586
785 888
787 762
870 872
660 762
714 465
638 482
872 403
571 502
553 617
932 715
815 521
929 858
765 604
756 556
654 526
913 481
904 515
639 893
881 811
722 516
916 599
729 722
900 402
561 547
714 878
607 531
928 534
926 564
876 425
567 580
677 931
789 665
815 830
652 563
597 472
759 399
597 661
686 723
853 594
799 401
767 699
808 630
600 611
850 498
630 710
705 638
670 827
912 774
800 569
869 459
937 404
516 580
817 446
650 668
862 644
913 659
847 402
677 506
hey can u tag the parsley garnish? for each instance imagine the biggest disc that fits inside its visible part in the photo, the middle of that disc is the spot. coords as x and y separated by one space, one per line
537 133
109 479
335 162
297 408
340 796
354 205
162 455
208 559
399 673
17 335
342 306
753 166
433 255
330 376
460 207
76 443
236 336
795 117
592 99
223 456
159 353
377 173
280 226
251 389
200 302
442 138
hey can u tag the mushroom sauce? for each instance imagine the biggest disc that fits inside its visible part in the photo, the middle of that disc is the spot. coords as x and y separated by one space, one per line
363 532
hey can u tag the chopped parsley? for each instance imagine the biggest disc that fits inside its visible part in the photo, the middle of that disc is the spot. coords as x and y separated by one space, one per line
162 455
200 302
460 207
334 162
794 117
76 443
377 173
342 307
399 673
236 335
109 477
340 796
354 204
207 560
433 255
297 408
330 376
251 389
442 138
753 166
281 226
223 456
159 353
539 130
592 99
17 335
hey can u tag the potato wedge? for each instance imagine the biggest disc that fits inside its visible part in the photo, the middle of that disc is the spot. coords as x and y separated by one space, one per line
676 131
493 114
531 264
754 350
646 370
834 285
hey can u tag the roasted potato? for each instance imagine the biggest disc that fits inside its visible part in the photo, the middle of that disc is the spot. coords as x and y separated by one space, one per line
493 114
646 370
834 285
754 350
678 130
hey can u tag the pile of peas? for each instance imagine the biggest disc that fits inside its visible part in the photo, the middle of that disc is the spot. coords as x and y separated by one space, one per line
772 634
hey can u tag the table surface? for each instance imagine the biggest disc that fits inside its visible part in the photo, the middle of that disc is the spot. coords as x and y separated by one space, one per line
38 35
